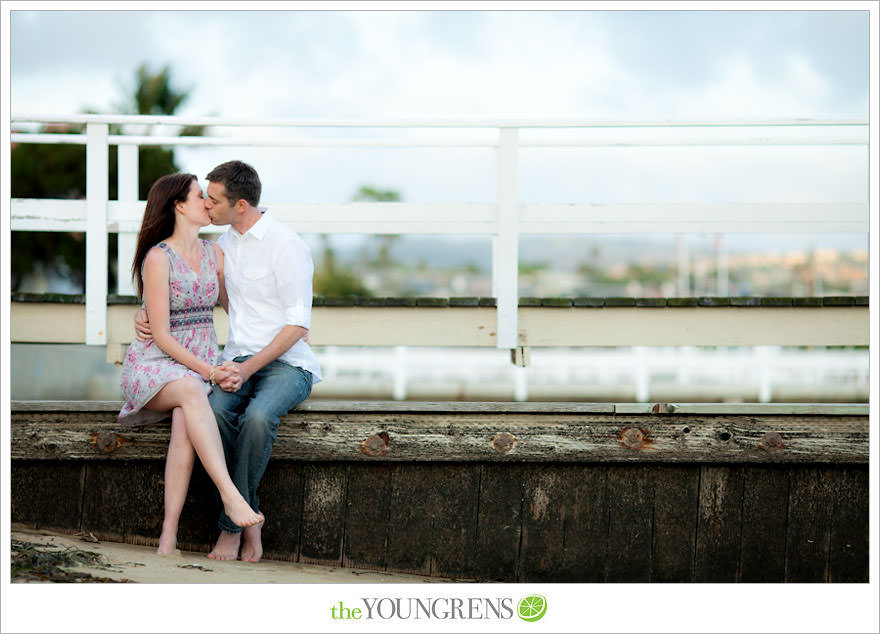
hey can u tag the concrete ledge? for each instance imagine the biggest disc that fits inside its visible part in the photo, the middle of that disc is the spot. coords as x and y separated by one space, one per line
553 302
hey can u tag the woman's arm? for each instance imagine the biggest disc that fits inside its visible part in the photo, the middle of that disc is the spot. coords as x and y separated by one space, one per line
156 297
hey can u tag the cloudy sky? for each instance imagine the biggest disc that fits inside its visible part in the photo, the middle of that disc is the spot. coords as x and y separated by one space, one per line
497 64
385 65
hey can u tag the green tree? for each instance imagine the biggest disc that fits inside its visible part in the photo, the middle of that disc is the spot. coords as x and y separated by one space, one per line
334 279
59 171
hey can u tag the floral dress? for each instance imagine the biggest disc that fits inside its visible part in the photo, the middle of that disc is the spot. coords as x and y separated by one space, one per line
147 368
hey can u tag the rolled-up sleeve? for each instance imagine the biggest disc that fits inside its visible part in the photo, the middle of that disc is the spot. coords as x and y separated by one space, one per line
293 273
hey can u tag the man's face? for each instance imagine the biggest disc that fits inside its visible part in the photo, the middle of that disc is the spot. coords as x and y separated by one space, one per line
218 206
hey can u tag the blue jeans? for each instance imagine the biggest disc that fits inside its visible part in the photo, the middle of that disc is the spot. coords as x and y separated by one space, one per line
248 422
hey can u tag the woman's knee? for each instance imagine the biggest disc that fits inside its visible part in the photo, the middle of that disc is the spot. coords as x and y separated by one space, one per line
191 391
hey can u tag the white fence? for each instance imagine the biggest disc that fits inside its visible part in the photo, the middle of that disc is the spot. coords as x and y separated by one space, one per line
505 220
760 373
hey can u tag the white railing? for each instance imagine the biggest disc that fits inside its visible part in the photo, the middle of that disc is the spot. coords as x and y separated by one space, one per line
637 373
505 220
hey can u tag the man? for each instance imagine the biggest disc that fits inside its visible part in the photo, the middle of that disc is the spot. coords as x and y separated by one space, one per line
268 276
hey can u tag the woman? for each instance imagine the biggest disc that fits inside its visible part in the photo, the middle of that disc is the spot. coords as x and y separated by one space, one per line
180 278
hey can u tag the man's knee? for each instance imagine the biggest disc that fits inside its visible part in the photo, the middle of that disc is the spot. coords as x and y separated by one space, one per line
258 423
223 408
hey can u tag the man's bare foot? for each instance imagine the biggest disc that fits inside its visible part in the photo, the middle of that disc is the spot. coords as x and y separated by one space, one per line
240 512
226 547
252 543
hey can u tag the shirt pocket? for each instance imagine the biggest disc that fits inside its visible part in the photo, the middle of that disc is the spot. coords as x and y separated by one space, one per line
256 277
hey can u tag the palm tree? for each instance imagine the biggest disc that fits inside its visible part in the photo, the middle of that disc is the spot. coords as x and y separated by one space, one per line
59 171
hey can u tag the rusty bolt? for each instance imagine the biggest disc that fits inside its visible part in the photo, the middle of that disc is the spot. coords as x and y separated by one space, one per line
376 445
108 441
503 442
772 441
633 438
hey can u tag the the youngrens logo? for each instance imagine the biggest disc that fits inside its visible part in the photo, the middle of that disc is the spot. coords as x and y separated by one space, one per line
530 608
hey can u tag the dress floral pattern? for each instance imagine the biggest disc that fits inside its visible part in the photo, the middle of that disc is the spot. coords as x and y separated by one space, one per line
146 368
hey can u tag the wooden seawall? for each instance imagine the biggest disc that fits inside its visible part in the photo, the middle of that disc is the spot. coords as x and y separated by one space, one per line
514 492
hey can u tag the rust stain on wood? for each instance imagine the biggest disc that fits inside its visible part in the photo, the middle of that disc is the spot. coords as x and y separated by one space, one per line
772 441
664 408
634 438
503 442
376 445
108 442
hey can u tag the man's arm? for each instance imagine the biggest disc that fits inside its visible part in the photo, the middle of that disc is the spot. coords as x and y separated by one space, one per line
280 344
142 329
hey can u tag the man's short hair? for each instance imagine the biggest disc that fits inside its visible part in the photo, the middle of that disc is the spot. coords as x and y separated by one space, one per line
240 181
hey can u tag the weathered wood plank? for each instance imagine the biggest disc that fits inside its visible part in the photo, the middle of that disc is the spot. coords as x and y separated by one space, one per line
410 524
281 501
499 523
744 409
454 514
323 515
368 506
543 523
676 493
719 521
850 527
43 498
355 406
764 524
123 502
585 525
307 436
810 509
554 407
630 500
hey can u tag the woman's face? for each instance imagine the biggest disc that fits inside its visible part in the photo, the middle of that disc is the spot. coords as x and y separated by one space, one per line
193 208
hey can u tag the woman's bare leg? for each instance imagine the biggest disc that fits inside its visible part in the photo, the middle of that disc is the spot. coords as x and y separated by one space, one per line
189 394
178 470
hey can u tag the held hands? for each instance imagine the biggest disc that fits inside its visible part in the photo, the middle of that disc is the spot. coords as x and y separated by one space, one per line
230 376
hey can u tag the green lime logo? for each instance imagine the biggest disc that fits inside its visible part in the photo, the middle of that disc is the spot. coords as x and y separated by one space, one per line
532 608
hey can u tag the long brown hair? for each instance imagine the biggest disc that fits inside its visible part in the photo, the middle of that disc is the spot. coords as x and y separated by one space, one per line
158 223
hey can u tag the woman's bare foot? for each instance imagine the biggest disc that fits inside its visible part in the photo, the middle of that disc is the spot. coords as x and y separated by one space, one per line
167 541
240 512
252 543
226 547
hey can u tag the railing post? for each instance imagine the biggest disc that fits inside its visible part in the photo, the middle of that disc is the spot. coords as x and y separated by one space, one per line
127 241
643 374
97 163
398 390
505 277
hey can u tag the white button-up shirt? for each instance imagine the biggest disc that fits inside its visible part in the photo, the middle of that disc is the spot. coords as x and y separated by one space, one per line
268 274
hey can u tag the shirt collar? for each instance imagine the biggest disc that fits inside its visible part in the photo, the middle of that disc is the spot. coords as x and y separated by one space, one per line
259 228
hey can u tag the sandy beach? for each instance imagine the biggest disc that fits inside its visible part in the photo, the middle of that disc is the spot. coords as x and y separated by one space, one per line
140 564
